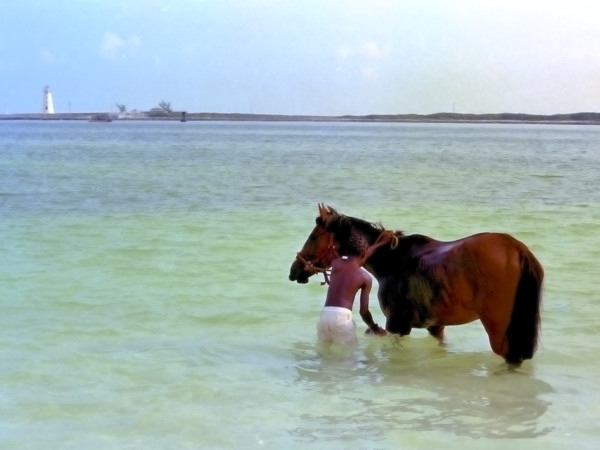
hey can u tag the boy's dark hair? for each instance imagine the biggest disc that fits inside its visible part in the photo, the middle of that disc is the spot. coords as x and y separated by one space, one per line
356 245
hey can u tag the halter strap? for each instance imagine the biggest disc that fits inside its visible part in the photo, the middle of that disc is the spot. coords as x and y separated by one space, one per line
310 266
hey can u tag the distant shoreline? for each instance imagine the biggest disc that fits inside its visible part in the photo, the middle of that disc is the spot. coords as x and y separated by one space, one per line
583 118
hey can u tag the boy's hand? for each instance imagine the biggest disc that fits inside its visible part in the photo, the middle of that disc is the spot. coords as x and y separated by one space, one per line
386 237
379 332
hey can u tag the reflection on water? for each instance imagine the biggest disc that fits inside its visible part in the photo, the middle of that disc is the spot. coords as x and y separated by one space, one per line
382 388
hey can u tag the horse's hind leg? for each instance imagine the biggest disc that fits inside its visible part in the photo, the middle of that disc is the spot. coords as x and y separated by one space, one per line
497 336
437 331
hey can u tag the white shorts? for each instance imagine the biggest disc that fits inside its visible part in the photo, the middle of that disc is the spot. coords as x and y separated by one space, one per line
336 325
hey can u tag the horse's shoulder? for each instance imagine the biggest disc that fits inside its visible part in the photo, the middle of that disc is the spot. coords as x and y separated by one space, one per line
433 255
420 245
417 240
416 251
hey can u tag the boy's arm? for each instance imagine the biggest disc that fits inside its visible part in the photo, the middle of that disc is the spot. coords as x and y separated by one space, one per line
373 327
385 238
364 310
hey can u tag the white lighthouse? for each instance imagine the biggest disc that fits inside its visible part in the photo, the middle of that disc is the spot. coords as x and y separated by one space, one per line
48 102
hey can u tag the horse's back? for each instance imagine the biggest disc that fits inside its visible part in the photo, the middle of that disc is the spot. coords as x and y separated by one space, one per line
498 250
489 248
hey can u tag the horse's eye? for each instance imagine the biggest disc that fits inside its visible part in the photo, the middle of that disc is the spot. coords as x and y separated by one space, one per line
312 237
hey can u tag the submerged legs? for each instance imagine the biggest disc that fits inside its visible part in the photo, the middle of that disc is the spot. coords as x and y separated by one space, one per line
437 331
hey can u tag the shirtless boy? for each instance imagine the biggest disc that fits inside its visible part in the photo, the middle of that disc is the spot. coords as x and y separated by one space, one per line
346 279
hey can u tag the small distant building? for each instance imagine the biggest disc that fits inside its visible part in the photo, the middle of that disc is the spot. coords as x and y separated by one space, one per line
48 107
158 112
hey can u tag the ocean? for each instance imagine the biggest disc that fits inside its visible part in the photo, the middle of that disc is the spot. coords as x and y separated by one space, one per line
146 303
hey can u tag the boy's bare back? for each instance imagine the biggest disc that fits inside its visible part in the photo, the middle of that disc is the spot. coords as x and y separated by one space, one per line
347 278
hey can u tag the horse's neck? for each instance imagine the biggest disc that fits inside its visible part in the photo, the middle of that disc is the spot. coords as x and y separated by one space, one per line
379 266
387 261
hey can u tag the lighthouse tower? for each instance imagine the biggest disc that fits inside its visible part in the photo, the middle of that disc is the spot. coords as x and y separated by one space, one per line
48 102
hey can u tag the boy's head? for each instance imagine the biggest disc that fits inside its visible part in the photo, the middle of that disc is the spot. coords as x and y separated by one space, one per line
356 246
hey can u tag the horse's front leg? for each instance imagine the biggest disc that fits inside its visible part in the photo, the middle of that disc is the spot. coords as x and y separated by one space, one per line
398 325
437 331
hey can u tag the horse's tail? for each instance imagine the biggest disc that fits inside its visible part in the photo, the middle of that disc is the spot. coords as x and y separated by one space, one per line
523 329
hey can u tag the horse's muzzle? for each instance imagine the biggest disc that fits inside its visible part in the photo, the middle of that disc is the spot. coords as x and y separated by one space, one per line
298 274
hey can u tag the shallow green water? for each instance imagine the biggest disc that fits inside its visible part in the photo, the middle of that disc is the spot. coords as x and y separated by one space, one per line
145 300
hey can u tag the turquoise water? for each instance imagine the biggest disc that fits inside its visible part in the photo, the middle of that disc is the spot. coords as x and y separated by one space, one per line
145 300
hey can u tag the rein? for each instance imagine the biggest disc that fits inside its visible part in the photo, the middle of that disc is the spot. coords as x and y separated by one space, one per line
394 241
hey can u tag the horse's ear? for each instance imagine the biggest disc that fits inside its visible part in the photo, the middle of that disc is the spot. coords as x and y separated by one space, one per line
324 212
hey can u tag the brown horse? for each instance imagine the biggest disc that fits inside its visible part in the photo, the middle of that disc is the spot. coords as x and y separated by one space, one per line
425 283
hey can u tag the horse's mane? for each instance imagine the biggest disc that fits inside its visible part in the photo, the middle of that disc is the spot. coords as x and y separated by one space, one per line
342 226
364 225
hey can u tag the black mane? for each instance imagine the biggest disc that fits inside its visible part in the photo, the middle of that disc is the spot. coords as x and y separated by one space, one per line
353 234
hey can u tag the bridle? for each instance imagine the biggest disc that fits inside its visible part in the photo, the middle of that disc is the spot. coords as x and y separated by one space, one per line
312 268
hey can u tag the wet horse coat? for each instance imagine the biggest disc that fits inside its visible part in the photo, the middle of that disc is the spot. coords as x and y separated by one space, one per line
425 283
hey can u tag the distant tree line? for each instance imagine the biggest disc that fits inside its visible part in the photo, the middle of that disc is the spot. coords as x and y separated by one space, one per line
164 108
587 117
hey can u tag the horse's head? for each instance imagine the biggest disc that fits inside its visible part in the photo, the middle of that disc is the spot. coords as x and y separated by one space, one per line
319 250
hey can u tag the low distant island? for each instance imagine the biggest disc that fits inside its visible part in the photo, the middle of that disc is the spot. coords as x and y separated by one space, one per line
588 118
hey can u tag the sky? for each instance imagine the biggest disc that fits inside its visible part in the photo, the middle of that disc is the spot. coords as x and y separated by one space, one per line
312 57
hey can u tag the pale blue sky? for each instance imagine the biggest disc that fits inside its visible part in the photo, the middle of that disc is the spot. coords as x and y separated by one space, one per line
327 57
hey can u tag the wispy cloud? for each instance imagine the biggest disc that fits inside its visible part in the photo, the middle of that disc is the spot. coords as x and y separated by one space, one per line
364 58
369 50
113 45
